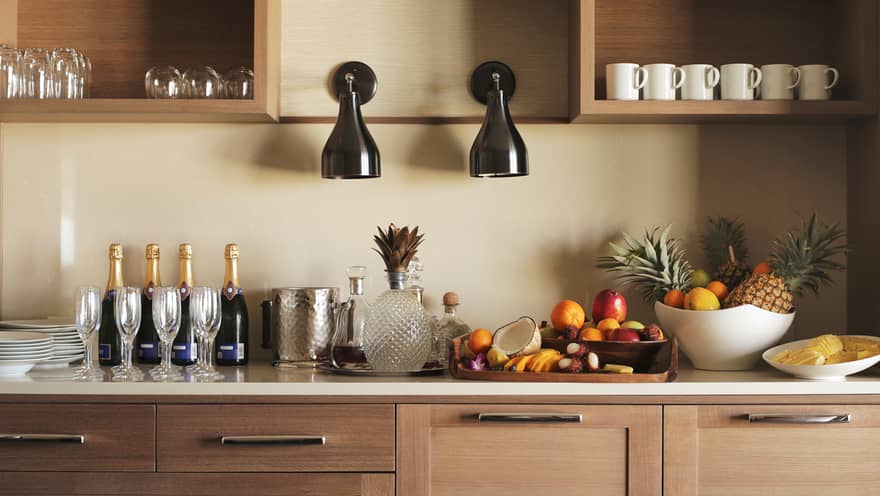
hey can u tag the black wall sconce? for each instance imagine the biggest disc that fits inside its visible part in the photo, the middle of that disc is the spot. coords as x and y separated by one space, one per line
350 151
499 150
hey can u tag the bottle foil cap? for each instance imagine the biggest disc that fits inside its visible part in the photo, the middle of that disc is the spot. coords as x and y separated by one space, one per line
152 251
115 251
185 251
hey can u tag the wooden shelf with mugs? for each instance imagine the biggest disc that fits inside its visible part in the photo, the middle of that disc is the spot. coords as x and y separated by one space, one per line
684 61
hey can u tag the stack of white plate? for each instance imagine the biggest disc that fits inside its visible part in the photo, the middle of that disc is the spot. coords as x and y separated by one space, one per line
67 345
20 351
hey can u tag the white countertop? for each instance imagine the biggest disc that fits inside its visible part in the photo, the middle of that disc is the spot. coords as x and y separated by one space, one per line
263 379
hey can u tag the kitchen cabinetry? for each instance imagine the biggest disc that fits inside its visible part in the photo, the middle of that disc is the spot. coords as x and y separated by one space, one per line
446 450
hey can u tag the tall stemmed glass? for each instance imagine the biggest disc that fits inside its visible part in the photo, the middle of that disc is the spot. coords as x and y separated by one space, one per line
88 321
205 317
166 318
127 311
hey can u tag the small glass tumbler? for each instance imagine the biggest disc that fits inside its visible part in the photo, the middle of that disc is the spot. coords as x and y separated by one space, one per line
36 74
10 73
88 321
201 82
238 84
66 73
163 82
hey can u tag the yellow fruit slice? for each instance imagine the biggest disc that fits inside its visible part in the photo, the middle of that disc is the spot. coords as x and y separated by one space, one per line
544 357
521 364
618 369
496 358
511 364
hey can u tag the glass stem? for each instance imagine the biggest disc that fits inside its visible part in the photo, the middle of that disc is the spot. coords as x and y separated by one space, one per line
88 358
128 353
201 345
208 355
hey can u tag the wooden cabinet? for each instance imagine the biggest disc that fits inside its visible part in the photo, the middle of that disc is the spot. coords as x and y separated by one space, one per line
779 450
522 450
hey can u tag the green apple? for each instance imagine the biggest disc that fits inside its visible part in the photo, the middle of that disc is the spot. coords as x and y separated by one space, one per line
700 278
549 333
633 324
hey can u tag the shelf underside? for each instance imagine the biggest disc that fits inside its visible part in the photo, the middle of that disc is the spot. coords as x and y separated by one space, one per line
132 110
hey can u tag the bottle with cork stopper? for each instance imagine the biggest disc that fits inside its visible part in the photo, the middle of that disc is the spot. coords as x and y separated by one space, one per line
449 327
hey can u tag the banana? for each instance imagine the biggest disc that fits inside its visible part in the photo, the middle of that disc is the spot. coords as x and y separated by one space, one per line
521 364
544 360
618 369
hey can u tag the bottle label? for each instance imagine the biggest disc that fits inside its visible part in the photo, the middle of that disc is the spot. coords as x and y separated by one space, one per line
231 351
231 291
104 351
148 351
184 351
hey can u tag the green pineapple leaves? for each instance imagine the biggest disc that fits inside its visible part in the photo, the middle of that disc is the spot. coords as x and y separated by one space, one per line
804 257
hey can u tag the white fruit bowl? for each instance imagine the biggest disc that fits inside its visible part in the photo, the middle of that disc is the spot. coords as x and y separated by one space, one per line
728 339
833 372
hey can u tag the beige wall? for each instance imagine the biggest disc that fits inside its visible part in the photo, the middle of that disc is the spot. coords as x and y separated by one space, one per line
509 246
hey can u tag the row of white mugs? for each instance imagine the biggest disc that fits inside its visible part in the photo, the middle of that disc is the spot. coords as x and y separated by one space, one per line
738 81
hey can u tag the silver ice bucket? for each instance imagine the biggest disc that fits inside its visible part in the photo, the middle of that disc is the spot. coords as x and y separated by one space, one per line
298 324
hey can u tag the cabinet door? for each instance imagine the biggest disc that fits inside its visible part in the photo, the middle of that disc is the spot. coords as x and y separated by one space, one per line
779 450
528 450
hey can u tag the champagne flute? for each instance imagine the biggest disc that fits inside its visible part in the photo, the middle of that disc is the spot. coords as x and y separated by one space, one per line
88 321
127 311
166 317
205 317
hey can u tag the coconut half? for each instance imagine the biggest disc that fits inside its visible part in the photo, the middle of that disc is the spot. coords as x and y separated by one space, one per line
520 337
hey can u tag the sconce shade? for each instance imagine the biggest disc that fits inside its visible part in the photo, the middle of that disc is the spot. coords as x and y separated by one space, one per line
350 151
498 150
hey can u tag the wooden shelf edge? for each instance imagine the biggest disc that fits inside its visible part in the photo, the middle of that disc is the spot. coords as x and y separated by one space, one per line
133 110
613 111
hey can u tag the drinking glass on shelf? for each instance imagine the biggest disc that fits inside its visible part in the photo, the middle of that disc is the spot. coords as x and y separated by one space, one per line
238 84
66 73
205 318
36 74
88 321
201 82
85 76
163 82
127 311
166 318
10 72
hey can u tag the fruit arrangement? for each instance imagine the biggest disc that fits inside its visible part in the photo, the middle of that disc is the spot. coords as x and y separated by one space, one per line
608 321
829 349
799 262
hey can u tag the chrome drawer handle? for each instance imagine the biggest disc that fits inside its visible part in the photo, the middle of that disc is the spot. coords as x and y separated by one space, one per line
45 438
286 440
574 418
822 418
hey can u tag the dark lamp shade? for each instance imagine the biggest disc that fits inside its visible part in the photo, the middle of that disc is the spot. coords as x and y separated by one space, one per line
350 151
499 150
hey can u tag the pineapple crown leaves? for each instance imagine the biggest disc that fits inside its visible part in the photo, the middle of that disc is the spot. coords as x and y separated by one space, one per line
722 234
804 257
653 265
397 246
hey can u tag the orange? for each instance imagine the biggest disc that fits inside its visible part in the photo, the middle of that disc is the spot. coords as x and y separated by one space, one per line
762 268
591 334
674 298
718 288
607 325
567 313
480 340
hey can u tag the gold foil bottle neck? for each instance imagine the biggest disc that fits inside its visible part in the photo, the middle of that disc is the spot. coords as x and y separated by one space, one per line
115 251
152 251
186 250
232 250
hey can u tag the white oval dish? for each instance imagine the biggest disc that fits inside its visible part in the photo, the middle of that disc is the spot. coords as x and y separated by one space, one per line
833 372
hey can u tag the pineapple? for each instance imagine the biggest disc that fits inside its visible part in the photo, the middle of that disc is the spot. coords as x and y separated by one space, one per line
800 261
725 241
397 246
654 265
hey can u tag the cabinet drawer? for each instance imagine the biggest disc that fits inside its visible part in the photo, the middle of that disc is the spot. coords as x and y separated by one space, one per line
524 450
61 437
276 438
783 450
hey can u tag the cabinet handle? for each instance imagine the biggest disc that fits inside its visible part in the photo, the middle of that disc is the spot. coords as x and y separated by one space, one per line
287 440
45 438
574 418
821 418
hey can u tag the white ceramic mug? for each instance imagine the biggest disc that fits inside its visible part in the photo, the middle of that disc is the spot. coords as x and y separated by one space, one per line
738 81
779 81
662 81
699 82
814 81
623 81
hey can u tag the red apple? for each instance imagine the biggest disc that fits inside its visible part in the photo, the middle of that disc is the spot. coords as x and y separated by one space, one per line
624 334
609 304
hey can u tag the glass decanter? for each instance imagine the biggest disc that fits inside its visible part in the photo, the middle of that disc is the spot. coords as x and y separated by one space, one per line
347 346
397 333
449 327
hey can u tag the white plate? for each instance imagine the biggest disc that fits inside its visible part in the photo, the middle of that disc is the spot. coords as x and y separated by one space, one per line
53 322
833 372
29 356
25 346
57 363
19 337
16 369
36 351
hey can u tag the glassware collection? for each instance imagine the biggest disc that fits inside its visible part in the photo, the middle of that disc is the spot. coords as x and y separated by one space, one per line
199 82
40 73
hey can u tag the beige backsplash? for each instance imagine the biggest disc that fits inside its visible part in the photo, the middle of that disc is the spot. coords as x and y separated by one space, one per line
510 247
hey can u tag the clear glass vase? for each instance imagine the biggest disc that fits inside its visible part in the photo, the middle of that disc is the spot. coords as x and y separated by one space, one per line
398 333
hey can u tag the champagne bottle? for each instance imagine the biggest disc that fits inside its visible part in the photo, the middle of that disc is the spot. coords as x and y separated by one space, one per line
184 346
109 344
147 340
232 340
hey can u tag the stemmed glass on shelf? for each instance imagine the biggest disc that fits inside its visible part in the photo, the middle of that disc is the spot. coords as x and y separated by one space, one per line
127 311
205 317
166 318
88 321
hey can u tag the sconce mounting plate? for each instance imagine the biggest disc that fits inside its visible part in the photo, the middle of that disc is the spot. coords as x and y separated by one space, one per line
481 80
365 83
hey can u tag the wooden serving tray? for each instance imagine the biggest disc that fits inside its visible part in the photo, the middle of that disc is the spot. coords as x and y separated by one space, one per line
660 364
